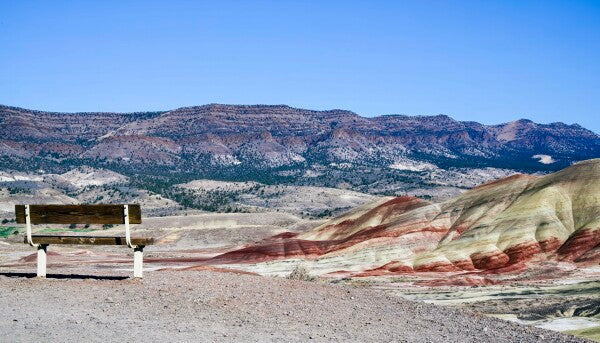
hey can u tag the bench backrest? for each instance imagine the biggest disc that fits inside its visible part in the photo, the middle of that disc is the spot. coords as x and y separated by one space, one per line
79 214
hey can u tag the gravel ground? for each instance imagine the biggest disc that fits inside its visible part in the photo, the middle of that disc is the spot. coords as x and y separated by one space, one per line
225 307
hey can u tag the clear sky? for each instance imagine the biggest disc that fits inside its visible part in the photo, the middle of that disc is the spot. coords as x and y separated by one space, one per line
487 61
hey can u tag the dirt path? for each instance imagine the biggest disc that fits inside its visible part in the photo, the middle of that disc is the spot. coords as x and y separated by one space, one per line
208 306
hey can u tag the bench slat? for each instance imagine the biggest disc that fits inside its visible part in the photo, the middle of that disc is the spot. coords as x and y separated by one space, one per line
88 240
78 214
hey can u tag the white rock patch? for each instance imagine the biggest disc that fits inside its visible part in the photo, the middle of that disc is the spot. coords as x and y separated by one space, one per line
544 159
412 165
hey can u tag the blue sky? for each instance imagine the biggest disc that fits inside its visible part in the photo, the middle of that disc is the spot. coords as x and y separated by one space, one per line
485 61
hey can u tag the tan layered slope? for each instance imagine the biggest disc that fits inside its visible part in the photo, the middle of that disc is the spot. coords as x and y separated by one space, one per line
501 227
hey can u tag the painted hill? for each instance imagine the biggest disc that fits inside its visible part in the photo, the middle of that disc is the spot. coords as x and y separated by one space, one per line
509 226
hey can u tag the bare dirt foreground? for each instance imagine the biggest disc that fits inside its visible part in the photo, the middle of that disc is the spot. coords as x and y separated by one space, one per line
206 306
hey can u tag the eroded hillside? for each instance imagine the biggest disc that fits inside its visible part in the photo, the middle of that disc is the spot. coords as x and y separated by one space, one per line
502 230
426 156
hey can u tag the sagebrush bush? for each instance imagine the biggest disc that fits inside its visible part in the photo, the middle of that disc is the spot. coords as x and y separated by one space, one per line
301 273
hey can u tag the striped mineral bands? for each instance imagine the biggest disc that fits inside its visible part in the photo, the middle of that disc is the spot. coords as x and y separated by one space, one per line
505 227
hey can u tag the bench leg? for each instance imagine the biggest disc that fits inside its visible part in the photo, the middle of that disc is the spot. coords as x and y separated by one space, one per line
41 260
138 261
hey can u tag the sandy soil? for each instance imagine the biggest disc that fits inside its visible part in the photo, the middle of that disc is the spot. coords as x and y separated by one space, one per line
211 306
208 306
571 306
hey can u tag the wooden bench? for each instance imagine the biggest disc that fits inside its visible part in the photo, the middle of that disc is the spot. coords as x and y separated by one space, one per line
82 214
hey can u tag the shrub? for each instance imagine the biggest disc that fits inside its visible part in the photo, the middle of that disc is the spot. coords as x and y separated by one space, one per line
301 273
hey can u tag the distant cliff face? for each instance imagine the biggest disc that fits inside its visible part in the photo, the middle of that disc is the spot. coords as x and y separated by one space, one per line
519 227
245 142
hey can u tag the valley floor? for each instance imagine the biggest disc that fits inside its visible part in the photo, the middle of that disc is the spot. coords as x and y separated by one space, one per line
175 306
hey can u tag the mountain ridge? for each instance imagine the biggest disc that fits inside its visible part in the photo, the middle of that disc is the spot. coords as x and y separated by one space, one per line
283 144
284 106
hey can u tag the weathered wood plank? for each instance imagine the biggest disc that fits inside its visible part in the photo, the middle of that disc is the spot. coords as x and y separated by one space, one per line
88 240
78 214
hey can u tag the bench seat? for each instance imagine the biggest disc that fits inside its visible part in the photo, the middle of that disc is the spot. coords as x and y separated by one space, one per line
90 240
